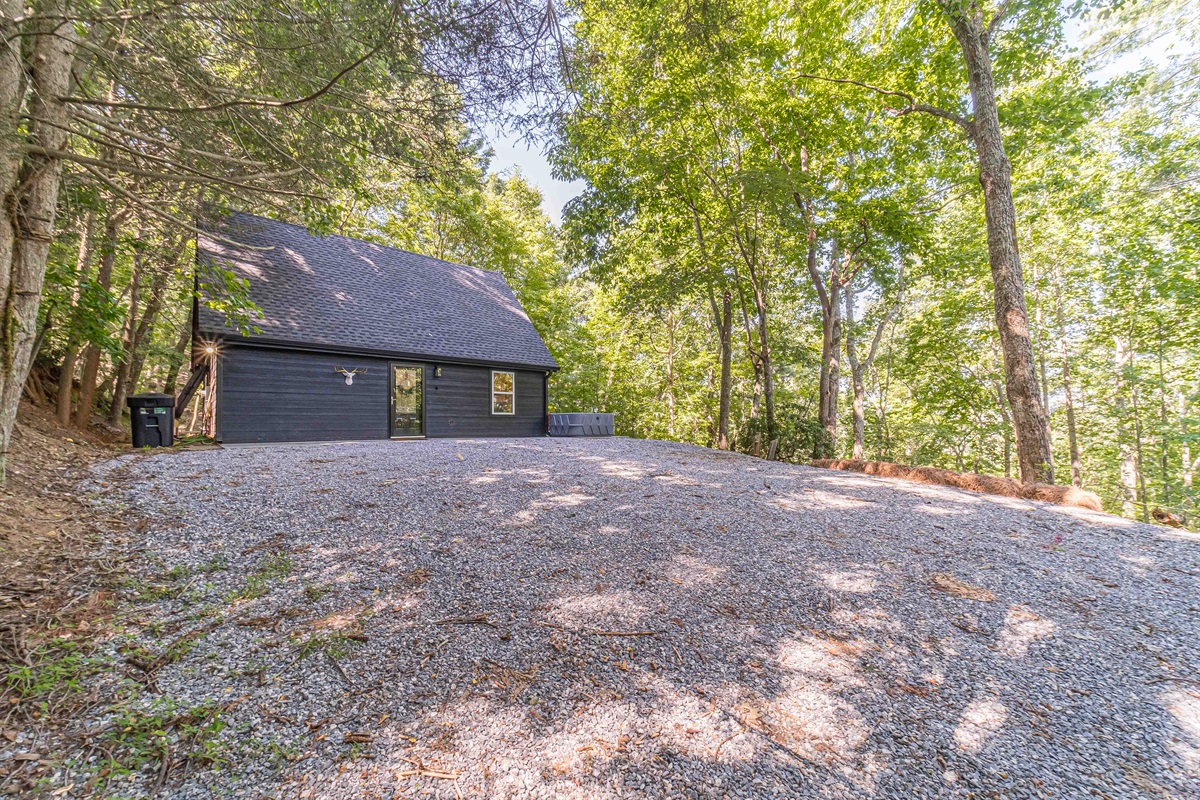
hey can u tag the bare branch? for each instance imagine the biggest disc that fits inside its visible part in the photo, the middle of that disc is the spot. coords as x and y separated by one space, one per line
139 202
190 176
811 263
887 318
245 102
111 124
858 367
911 105
934 111
1003 12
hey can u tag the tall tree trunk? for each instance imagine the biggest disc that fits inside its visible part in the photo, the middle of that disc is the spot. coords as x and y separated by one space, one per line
1068 391
860 417
83 266
1137 440
120 375
1005 429
756 364
885 452
1040 331
144 334
1030 423
172 380
120 378
1126 444
759 292
30 177
859 369
723 318
711 391
145 329
66 383
831 352
670 389
767 370
828 384
748 248
92 354
1162 420
1072 430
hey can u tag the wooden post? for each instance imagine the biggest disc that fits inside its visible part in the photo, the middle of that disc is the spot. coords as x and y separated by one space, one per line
210 398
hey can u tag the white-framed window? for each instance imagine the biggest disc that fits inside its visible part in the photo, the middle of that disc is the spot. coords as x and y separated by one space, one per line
504 392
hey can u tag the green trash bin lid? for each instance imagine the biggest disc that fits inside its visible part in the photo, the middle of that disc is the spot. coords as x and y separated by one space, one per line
151 399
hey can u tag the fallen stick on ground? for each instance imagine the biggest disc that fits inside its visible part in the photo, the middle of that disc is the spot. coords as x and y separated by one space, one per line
425 772
341 671
428 773
726 741
478 619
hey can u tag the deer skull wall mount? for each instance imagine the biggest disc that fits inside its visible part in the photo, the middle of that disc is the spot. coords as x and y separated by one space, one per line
350 373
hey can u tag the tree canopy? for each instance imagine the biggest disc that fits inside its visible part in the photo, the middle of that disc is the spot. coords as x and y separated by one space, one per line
961 235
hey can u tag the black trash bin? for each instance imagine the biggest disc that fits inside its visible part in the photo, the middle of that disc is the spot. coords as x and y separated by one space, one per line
152 418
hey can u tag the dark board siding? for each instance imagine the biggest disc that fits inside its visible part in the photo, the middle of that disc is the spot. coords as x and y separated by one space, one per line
459 404
280 395
268 395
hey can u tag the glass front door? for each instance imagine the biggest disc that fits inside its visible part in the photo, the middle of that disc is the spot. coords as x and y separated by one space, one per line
408 399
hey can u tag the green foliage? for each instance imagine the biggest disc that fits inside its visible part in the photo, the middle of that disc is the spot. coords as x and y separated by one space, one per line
801 435
60 666
717 139
140 737
224 292
314 592
724 147
271 568
334 644
181 572
489 221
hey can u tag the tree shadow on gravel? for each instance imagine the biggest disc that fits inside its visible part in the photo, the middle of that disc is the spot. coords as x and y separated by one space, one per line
608 619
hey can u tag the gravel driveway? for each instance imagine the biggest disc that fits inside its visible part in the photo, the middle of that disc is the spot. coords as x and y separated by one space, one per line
622 618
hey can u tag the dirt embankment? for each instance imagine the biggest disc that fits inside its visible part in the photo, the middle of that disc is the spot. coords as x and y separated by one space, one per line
43 521
52 584
987 484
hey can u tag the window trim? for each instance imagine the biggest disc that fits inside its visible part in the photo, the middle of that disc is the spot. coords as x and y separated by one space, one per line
492 394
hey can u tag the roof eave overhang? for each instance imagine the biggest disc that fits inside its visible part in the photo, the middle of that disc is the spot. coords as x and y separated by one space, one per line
226 338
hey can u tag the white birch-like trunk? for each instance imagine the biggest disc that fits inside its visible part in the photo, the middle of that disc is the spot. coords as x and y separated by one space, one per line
29 185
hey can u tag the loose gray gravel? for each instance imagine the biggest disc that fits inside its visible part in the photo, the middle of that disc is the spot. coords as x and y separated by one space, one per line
623 618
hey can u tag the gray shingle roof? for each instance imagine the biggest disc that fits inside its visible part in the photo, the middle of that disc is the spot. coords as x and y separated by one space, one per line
337 292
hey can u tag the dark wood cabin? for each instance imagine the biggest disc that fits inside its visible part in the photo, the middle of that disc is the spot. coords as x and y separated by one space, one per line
355 341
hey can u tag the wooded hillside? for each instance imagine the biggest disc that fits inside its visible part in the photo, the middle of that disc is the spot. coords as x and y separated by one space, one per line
964 236
811 186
